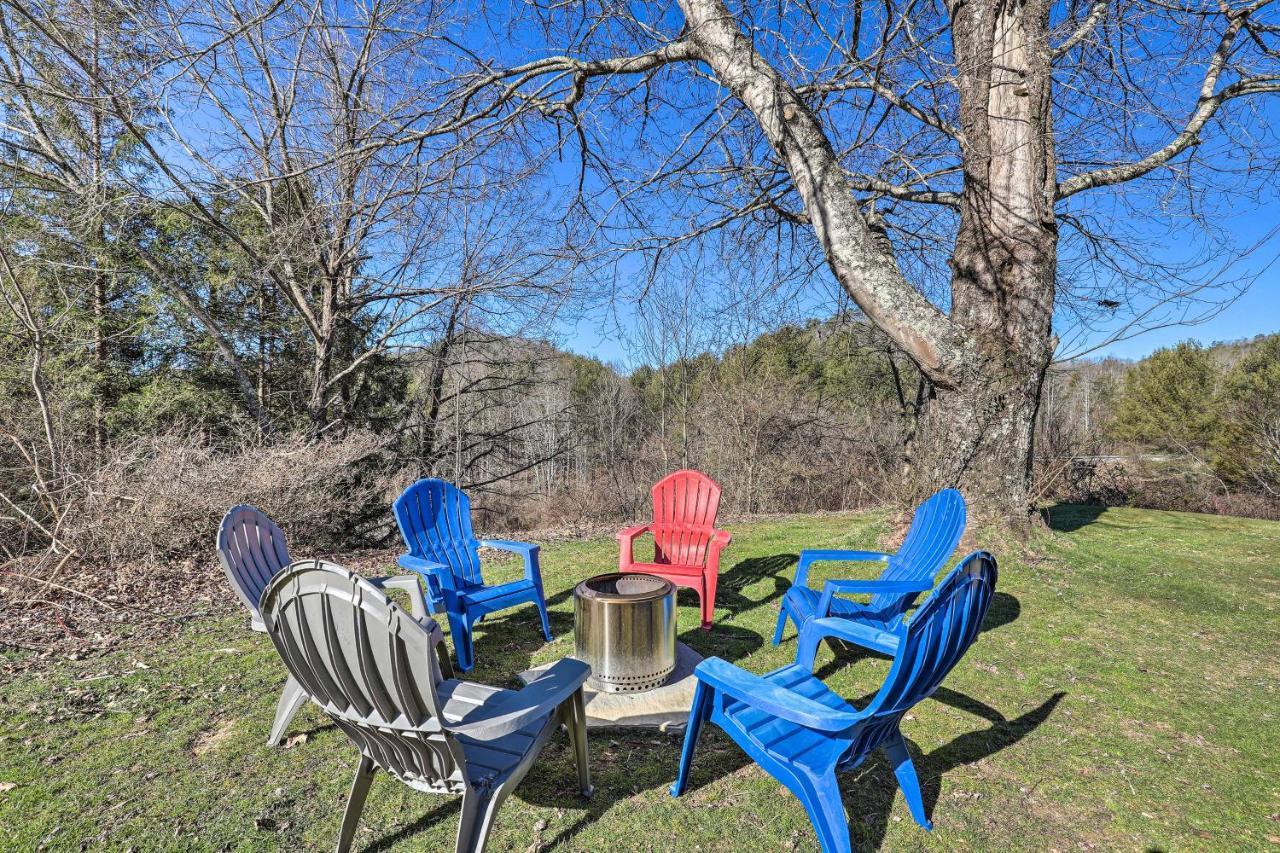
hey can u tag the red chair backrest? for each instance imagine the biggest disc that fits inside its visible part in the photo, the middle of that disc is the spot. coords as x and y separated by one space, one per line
684 517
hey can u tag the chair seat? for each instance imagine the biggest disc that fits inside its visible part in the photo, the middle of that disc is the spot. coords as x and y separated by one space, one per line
493 759
477 594
668 569
783 739
875 631
804 603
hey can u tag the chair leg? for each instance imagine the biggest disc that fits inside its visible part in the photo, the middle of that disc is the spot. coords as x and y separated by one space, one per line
577 724
478 811
708 594
905 770
291 701
463 647
698 713
821 798
542 612
355 803
783 613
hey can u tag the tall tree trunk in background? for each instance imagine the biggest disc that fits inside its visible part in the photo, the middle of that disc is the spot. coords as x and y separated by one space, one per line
96 229
435 394
978 433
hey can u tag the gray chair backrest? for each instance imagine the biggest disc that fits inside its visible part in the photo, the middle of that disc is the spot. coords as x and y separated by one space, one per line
252 550
371 666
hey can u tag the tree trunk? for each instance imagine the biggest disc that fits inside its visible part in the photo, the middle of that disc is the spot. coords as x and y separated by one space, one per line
979 438
978 433
427 450
985 361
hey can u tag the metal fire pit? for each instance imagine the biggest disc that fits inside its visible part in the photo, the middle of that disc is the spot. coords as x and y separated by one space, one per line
625 627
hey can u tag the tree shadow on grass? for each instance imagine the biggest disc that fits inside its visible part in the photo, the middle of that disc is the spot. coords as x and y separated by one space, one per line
1064 518
444 811
723 641
868 793
650 763
625 763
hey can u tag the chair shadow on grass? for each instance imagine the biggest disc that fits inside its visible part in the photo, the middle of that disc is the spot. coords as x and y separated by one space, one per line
742 574
869 791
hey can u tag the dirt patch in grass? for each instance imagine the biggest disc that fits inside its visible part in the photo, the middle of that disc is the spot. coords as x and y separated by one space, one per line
210 739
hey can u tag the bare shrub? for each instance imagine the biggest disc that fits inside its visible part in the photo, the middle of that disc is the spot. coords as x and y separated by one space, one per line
162 497
1106 482
1182 484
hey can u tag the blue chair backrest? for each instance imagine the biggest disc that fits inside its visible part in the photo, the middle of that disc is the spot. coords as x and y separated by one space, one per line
435 521
939 633
935 532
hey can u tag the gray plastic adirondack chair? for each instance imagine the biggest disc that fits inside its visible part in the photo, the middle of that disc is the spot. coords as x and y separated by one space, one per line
252 550
370 666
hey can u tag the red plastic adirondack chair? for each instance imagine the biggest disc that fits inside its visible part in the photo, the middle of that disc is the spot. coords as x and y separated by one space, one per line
687 544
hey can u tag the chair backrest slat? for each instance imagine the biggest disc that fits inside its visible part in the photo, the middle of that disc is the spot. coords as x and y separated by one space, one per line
251 549
685 505
435 520
936 529
369 664
939 633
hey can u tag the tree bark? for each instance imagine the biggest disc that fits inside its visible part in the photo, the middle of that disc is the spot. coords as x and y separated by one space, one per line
979 433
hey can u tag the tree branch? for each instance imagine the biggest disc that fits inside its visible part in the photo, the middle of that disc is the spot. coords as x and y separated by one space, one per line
1206 106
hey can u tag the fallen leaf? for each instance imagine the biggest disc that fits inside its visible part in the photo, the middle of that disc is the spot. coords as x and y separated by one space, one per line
7 786
294 740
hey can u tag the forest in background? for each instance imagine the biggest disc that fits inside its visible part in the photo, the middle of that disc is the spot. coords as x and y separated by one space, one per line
134 457
301 256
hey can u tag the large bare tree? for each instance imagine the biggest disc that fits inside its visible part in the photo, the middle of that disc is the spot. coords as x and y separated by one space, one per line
937 154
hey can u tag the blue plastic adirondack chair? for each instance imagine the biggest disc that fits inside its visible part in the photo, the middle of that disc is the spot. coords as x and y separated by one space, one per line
934 534
802 733
435 521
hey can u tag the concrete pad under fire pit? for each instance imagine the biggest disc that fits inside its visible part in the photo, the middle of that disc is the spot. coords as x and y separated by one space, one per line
665 708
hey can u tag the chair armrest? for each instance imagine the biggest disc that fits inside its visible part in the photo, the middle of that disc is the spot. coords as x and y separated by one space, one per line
868 587
528 550
809 556
509 545
411 585
627 544
420 565
427 568
629 534
815 631
720 538
768 697
515 710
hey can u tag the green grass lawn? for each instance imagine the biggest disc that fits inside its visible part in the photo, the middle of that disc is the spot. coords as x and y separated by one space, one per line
1123 695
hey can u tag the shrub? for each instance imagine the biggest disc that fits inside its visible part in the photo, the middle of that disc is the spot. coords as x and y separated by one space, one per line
162 497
